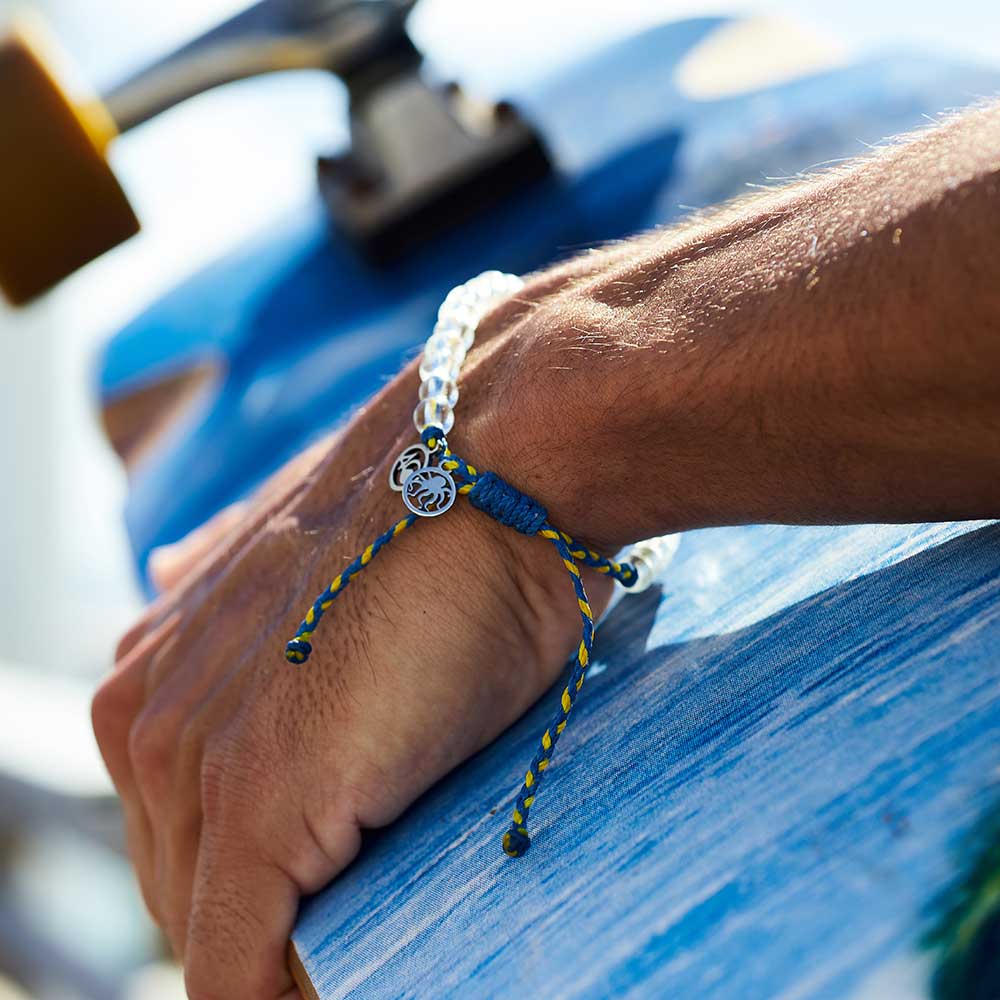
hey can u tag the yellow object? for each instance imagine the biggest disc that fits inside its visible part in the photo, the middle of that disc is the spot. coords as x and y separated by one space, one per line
60 204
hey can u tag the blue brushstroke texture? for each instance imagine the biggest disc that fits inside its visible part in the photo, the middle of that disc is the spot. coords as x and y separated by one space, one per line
791 758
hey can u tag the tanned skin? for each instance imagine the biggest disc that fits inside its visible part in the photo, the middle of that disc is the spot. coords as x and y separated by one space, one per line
822 353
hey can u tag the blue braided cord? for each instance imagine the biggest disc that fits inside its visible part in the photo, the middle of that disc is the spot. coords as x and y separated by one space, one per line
516 840
625 573
510 507
432 437
298 649
507 505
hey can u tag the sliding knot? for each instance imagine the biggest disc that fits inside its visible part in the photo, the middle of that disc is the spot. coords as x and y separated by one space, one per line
516 841
507 505
297 650
432 437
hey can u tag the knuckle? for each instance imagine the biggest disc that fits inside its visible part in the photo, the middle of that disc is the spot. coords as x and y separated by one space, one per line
228 786
147 747
107 711
214 786
129 640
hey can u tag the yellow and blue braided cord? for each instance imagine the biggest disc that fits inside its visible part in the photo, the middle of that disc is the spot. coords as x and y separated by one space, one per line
297 650
510 507
516 840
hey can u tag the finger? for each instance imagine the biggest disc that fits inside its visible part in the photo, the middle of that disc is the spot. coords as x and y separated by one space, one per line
190 703
166 746
141 847
241 918
176 862
169 564
257 856
136 642
115 706
166 749
191 588
181 822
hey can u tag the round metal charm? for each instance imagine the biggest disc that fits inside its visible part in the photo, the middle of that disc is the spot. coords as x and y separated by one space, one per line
408 461
429 491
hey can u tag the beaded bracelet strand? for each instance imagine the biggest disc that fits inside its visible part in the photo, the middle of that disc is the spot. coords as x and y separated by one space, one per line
429 476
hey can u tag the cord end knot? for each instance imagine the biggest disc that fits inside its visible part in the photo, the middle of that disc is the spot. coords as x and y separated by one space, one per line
516 841
297 650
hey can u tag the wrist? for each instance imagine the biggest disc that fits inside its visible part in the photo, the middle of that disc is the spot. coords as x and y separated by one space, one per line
599 413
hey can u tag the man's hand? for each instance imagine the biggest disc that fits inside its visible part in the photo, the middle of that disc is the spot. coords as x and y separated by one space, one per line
246 780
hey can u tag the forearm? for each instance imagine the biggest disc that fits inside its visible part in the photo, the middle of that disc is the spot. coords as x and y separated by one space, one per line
825 352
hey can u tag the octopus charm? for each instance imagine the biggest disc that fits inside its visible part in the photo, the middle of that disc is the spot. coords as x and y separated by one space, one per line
408 461
429 491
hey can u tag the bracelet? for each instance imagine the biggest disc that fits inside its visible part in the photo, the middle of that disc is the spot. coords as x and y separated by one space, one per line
429 477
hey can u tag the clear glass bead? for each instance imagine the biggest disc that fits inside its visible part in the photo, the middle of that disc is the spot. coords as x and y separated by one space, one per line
452 329
464 314
493 285
440 364
466 305
433 413
650 558
487 285
445 338
459 295
442 389
460 304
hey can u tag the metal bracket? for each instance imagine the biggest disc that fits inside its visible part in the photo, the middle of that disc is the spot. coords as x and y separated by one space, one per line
423 156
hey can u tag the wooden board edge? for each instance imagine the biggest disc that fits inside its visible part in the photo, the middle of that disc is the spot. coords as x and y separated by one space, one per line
299 974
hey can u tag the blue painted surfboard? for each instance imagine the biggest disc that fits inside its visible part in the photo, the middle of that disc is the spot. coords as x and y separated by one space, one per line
772 787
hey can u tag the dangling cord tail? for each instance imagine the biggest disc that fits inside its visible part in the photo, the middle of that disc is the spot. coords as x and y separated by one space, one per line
516 840
297 650
510 507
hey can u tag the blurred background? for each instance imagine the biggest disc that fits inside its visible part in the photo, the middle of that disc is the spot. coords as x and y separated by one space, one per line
204 177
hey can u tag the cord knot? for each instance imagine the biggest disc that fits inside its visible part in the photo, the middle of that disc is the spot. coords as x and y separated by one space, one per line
297 650
516 841
505 504
432 437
